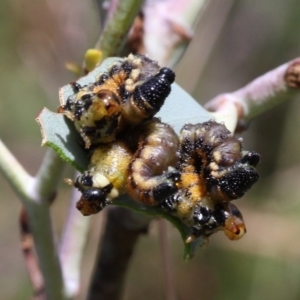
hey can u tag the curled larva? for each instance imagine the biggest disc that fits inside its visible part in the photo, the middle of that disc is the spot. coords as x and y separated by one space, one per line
213 171
194 176
139 165
152 177
129 93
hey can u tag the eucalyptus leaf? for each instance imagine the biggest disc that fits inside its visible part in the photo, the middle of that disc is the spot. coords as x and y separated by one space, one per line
59 133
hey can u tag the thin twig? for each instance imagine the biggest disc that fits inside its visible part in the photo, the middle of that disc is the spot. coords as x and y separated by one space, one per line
123 228
48 176
208 30
72 245
40 225
168 28
262 94
170 287
14 172
31 260
36 195
116 29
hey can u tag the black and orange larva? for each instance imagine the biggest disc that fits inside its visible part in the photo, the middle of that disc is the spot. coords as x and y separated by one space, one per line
194 176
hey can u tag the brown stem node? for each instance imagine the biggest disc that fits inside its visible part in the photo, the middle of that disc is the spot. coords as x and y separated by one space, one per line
292 75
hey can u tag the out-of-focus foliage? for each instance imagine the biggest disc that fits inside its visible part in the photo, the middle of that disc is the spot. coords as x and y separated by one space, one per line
38 37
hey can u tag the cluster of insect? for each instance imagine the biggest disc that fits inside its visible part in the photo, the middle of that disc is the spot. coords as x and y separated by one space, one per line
193 176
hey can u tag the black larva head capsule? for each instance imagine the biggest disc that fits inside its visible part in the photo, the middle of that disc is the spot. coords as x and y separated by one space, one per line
92 201
94 194
86 179
220 214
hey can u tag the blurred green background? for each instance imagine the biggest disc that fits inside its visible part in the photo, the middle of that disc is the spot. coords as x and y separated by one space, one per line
235 41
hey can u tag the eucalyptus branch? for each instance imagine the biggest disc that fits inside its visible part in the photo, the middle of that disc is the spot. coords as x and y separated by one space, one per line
123 228
30 257
35 195
48 176
166 38
40 226
15 174
260 95
72 245
117 27
170 286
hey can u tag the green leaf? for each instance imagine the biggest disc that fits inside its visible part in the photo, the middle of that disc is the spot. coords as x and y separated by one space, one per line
60 134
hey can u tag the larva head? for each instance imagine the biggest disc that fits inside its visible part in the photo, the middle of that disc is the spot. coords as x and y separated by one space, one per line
222 217
231 221
96 191
92 201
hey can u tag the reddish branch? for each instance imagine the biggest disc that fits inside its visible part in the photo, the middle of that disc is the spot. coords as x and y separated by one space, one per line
123 228
262 94
30 257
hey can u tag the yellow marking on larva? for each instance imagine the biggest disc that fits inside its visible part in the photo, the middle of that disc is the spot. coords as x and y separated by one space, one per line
137 165
135 74
136 61
111 84
189 168
188 179
138 179
81 93
113 194
218 174
154 140
112 160
184 209
147 153
129 85
98 111
120 77
213 166
197 193
99 180
217 156
234 228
